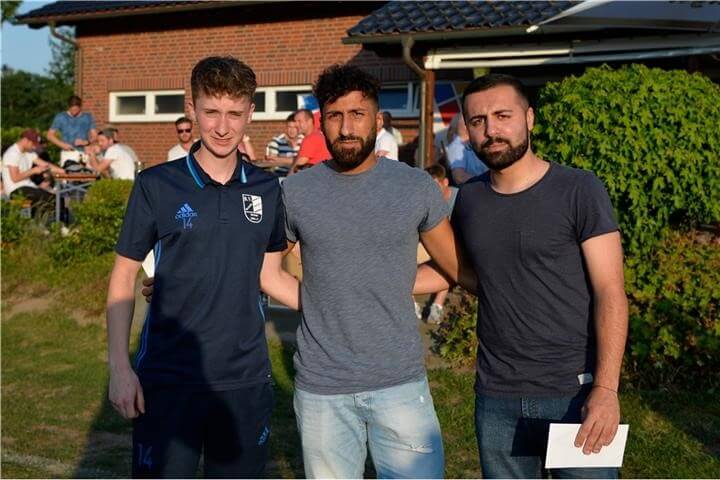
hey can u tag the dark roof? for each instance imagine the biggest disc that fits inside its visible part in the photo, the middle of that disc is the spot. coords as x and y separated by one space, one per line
401 17
65 10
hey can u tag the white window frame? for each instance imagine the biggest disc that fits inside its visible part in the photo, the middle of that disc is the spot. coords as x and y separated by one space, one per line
149 115
270 102
412 92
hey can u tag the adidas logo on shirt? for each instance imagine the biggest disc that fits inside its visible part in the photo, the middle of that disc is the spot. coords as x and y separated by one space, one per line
186 214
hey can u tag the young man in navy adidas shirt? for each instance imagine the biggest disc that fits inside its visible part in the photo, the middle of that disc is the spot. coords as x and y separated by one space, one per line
201 381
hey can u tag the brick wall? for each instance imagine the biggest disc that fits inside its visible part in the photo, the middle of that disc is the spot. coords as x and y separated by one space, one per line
283 44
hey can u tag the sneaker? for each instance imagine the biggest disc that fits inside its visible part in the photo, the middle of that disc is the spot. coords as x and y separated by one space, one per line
436 313
418 311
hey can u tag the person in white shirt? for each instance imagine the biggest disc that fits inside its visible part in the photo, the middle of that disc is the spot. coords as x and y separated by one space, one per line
387 125
116 161
20 163
386 145
183 128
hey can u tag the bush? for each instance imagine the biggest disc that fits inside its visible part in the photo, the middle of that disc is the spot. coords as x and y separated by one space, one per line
455 340
14 222
674 333
650 135
98 220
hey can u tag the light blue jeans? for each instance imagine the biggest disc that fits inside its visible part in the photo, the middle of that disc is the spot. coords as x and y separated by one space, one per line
398 424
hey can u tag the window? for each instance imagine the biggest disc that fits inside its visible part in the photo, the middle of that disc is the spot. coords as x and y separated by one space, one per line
276 103
401 100
152 106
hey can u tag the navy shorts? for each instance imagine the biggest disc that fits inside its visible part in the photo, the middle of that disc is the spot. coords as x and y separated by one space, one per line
231 428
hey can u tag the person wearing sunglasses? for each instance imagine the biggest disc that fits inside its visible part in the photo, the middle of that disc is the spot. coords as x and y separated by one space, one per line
183 128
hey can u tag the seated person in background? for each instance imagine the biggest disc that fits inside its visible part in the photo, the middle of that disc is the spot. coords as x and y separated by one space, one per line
77 128
439 175
116 161
116 137
183 128
280 153
20 163
313 149
385 144
246 147
461 158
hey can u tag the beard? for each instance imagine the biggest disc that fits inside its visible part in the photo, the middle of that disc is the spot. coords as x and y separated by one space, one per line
349 158
502 159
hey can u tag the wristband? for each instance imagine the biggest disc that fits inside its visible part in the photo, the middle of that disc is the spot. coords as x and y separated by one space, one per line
606 388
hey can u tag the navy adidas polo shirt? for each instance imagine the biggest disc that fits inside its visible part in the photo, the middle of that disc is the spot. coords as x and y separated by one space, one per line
205 327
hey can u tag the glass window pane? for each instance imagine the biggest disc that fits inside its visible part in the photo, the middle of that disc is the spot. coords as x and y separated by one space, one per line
394 98
171 103
259 101
287 101
131 105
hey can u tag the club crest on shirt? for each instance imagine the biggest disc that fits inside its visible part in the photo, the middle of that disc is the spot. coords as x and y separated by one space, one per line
252 206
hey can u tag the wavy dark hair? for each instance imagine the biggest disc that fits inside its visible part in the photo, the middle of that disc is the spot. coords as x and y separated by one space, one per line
339 80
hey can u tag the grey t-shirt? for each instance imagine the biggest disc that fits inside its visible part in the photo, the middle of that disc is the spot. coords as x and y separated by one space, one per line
535 328
359 236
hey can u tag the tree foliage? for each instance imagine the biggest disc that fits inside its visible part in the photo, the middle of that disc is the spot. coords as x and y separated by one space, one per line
31 100
9 7
62 61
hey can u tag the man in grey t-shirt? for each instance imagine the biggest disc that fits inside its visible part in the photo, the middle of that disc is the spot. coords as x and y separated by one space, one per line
360 374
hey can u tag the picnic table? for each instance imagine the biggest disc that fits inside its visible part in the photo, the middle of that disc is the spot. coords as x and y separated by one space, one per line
66 183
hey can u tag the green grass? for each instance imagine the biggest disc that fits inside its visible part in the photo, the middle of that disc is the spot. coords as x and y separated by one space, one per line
57 422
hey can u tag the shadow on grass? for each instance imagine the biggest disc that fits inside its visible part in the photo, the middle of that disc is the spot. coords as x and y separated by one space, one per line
108 444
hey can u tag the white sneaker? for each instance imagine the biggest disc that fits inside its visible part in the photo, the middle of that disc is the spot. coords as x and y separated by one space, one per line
436 313
418 311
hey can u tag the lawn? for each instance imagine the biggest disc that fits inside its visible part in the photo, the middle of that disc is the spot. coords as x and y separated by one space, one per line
56 420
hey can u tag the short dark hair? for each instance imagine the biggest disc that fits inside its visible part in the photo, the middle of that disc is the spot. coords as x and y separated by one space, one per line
290 118
437 171
108 133
338 80
216 76
183 120
74 101
492 80
306 112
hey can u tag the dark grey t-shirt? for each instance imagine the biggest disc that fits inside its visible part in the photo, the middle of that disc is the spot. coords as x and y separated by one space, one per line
534 326
359 236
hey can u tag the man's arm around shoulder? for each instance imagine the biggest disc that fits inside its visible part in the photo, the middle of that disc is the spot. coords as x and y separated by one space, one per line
449 266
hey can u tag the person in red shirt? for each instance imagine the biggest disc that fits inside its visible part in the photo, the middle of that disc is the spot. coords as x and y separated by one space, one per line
313 149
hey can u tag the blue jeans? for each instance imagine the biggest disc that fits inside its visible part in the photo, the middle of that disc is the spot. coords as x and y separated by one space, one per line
398 424
512 435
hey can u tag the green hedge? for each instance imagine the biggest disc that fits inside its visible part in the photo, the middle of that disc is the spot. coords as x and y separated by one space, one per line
98 219
652 137
674 333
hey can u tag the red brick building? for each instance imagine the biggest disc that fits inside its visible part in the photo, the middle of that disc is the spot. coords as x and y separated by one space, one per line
134 59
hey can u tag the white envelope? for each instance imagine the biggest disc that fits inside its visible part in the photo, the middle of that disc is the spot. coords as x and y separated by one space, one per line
562 452
149 264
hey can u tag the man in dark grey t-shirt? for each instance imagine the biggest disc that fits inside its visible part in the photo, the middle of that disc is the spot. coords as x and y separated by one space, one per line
361 378
543 255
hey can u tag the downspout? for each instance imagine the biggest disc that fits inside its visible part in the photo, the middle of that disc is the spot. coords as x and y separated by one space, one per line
78 56
425 152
